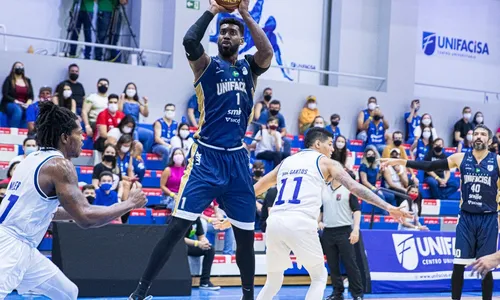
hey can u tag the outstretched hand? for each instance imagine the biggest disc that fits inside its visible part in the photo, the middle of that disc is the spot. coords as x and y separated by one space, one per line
399 214
484 265
386 162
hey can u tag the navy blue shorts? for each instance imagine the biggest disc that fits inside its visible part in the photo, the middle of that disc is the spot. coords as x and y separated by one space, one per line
477 236
221 175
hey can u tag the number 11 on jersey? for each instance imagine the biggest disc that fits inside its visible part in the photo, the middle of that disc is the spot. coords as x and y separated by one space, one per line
294 200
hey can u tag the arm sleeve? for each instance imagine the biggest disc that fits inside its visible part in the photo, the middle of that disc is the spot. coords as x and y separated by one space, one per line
428 166
192 39
254 66
353 203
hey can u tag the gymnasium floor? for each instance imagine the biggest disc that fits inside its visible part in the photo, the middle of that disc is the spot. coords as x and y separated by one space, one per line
287 293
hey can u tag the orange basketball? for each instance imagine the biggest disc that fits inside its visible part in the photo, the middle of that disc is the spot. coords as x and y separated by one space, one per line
229 4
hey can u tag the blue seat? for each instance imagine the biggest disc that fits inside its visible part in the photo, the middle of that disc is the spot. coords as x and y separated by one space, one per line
3 120
141 216
84 174
151 179
46 244
449 208
152 161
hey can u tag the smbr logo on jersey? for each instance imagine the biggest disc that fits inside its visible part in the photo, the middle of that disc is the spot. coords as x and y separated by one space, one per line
435 44
412 251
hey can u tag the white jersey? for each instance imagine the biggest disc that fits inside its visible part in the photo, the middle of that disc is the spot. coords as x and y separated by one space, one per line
26 212
300 183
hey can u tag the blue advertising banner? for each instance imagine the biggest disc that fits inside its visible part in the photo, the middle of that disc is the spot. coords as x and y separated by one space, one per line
413 261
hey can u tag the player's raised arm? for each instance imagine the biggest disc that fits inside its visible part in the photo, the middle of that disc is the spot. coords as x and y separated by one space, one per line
61 175
198 59
266 182
264 55
453 161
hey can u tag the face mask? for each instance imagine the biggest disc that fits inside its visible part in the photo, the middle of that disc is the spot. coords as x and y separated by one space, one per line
184 133
273 127
438 149
319 125
67 93
426 134
370 159
178 159
73 76
479 120
30 150
377 117
258 173
169 114
413 196
102 89
397 143
469 137
130 93
311 105
106 186
127 129
113 107
467 116
273 112
340 145
426 122
90 199
125 149
19 71
335 123
372 106
109 158
267 97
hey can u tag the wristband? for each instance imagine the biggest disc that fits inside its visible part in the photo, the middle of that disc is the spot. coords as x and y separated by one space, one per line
196 243
172 194
436 177
373 188
209 220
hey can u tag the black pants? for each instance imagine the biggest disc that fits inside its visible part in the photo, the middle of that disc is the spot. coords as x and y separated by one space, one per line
336 246
275 156
208 259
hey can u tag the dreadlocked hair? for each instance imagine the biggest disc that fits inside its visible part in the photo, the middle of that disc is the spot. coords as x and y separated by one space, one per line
52 122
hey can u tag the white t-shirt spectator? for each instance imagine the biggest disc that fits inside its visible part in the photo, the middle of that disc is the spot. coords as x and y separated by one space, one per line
115 133
99 103
268 141
413 219
185 145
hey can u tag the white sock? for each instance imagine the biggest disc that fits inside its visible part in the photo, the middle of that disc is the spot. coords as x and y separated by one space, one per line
318 276
273 285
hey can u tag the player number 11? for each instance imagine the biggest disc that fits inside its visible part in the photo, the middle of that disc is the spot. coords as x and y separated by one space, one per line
294 200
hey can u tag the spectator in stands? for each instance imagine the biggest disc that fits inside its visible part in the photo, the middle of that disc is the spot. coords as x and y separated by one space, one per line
63 96
45 94
214 222
126 126
478 119
422 144
94 104
267 205
441 184
397 142
107 120
182 139
334 125
375 128
494 146
318 121
396 177
340 152
192 111
308 113
268 143
262 105
109 164
198 245
171 178
369 174
274 111
412 120
88 191
77 90
108 27
3 191
105 196
164 130
426 121
84 18
17 95
364 115
467 144
29 146
462 126
415 207
258 171
10 172
128 160
129 104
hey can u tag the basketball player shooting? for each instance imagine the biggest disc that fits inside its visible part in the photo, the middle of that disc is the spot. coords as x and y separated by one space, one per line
477 228
218 161
42 181
292 223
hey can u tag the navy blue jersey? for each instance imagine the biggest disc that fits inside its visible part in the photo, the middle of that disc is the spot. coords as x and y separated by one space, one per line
225 101
479 183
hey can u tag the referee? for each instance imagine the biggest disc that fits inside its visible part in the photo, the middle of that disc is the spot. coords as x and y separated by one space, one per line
340 233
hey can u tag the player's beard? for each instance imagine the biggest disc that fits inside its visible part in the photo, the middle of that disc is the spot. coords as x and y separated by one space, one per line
480 146
228 52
